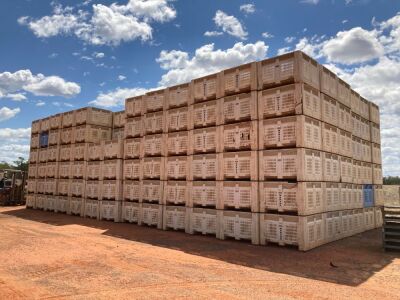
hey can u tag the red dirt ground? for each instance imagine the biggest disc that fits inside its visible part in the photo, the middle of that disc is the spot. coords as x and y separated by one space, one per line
47 255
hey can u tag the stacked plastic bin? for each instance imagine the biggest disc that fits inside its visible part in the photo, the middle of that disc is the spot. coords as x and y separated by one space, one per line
278 151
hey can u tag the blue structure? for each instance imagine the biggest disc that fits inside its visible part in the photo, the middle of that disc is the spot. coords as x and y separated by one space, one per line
368 195
44 139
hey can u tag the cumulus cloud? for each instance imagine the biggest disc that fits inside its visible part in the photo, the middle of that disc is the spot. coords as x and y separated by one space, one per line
121 77
8 113
117 97
378 83
283 50
213 33
311 46
392 40
53 86
14 143
182 68
16 97
353 46
248 8
105 25
39 85
11 152
267 35
15 133
98 54
313 2
289 39
230 25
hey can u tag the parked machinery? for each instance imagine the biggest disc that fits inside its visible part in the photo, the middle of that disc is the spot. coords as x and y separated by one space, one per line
12 187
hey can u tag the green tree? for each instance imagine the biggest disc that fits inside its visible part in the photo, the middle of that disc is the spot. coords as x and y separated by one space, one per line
21 164
391 180
5 165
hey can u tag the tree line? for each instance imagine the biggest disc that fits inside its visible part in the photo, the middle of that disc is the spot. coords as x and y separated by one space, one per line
391 180
19 164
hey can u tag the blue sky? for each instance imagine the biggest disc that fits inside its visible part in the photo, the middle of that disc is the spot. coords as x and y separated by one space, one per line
60 55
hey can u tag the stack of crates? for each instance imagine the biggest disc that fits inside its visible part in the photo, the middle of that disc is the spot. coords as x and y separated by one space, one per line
279 151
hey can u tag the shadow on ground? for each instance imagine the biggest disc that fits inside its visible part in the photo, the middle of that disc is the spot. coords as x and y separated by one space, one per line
350 261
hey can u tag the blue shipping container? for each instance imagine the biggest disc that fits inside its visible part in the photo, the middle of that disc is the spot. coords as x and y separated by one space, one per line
368 195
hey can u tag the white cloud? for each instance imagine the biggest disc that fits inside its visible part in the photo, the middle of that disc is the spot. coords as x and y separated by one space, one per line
53 86
248 8
39 85
98 54
379 83
121 77
267 35
8 113
105 25
182 68
40 103
312 46
117 97
283 50
213 33
345 21
153 10
14 143
354 46
16 97
289 39
109 27
313 2
392 41
15 133
11 152
53 55
230 25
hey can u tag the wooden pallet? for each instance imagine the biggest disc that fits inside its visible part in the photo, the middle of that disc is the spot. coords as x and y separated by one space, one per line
391 227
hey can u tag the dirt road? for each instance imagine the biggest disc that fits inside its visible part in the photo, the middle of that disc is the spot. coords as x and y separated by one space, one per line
46 255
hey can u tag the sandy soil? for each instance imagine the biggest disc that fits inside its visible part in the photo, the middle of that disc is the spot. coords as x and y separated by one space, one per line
391 194
46 255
